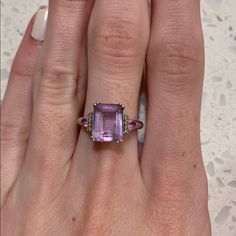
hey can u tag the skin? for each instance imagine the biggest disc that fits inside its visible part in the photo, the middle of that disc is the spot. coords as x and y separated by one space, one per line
54 179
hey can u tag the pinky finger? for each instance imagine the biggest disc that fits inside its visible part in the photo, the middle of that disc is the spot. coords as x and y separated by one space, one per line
17 103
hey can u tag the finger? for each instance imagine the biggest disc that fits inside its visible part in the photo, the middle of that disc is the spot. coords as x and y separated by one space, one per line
175 76
17 104
54 128
117 42
140 150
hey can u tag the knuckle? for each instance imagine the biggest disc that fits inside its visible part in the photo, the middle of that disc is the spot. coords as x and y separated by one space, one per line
72 1
176 57
71 4
115 38
57 85
13 131
179 64
20 74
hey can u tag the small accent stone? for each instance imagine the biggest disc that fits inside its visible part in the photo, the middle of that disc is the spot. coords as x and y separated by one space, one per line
125 124
90 122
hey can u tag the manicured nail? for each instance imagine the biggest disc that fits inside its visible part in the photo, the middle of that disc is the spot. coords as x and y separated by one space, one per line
40 24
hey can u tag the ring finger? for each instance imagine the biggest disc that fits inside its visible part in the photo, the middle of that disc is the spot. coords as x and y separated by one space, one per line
117 41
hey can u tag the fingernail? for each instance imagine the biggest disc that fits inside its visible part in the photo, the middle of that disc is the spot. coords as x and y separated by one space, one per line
40 24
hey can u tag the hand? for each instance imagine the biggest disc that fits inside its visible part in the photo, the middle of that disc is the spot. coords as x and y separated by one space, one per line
55 180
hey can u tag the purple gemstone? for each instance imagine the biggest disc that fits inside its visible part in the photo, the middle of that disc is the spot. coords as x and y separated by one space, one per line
84 121
132 125
108 123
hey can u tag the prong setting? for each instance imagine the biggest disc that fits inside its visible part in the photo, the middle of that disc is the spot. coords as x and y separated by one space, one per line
92 138
123 106
95 104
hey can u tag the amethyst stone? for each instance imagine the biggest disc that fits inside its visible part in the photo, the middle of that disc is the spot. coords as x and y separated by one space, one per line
108 123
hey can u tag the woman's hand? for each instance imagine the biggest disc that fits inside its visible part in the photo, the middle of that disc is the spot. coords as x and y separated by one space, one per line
54 179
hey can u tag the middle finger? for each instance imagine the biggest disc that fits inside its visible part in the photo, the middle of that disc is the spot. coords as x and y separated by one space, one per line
56 107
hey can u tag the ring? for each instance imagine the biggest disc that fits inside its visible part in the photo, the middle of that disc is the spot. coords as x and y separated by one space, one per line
108 123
